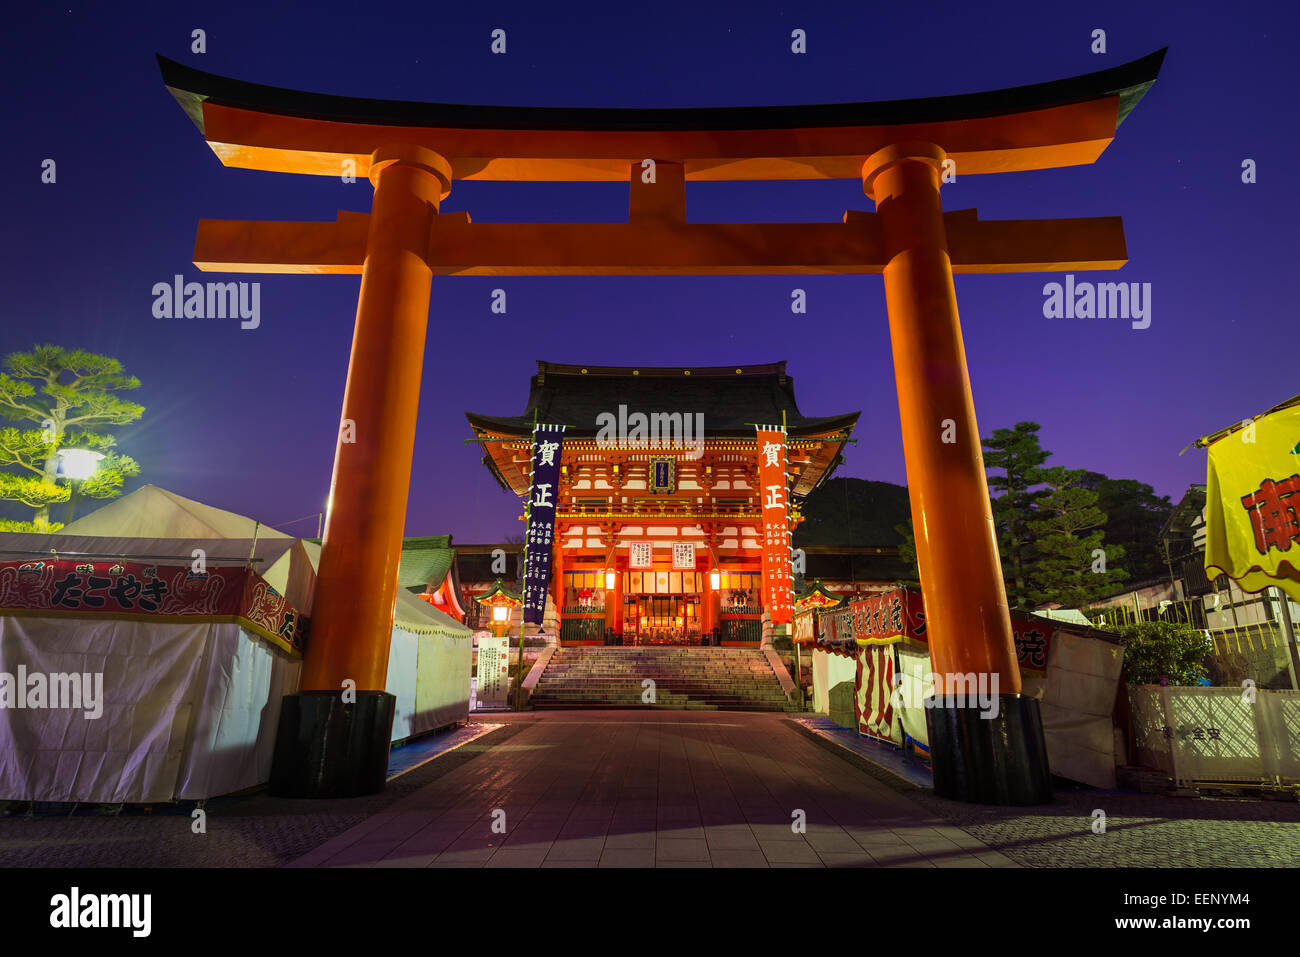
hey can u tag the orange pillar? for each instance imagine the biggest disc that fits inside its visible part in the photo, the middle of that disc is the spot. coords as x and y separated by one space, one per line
557 580
331 743
614 596
968 623
708 617
619 596
356 587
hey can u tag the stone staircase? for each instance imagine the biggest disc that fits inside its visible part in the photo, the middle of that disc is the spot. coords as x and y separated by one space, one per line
703 679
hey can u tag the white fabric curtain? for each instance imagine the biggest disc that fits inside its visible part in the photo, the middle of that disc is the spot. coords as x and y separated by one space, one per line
189 710
232 736
429 675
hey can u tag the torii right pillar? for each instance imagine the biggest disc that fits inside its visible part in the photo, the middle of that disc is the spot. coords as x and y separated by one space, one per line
986 738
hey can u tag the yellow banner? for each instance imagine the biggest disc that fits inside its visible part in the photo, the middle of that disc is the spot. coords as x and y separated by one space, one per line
1253 504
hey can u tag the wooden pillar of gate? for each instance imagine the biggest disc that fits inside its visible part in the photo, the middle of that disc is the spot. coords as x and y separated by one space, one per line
333 737
987 745
557 581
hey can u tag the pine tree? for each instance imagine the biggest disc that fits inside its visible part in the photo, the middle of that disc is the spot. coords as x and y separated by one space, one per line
1134 517
68 395
907 555
1017 453
1051 532
1071 566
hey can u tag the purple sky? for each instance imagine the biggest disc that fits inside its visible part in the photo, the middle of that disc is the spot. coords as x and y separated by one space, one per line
247 420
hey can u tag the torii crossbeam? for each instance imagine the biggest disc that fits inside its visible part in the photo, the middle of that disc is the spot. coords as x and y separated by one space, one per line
413 152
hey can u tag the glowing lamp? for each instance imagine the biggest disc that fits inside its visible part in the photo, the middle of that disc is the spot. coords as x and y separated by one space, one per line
609 579
502 602
79 464
715 579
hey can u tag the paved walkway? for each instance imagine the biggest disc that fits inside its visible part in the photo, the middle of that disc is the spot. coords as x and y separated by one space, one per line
407 757
904 765
647 789
665 789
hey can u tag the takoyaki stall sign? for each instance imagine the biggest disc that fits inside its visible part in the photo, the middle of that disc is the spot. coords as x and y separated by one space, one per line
141 591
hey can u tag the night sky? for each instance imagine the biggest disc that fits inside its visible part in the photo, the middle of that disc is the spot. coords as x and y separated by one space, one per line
247 420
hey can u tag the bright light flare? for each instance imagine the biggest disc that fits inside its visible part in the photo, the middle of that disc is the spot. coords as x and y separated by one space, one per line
80 464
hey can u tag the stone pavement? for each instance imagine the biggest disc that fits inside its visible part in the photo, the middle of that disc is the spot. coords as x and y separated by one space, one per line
655 788
1142 830
664 789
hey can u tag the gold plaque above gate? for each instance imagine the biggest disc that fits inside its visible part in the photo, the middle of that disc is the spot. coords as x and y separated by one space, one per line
662 479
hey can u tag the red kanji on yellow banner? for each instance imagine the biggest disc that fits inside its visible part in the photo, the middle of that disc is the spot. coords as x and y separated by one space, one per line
1253 503
1275 513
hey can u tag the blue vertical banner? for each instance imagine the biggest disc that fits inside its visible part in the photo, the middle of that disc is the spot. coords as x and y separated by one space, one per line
543 492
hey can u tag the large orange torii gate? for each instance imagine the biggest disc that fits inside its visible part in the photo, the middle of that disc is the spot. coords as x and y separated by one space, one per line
413 152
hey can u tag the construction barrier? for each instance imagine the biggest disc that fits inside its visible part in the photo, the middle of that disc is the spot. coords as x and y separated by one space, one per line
1218 734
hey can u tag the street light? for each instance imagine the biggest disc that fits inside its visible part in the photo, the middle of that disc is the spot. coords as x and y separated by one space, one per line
79 464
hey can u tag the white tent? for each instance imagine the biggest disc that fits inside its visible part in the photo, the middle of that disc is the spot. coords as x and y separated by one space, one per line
1072 615
189 706
153 512
429 659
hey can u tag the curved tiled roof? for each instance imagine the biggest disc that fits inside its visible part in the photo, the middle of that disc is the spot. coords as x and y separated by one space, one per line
425 561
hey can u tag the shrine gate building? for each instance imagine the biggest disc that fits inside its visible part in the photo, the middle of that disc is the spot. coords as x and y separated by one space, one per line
659 519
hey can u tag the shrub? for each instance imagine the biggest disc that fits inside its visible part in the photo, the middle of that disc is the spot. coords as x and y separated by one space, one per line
1172 649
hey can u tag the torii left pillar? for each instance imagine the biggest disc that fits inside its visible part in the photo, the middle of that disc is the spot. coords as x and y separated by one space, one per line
333 738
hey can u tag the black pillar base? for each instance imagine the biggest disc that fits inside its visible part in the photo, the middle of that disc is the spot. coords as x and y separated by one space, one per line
999 760
327 749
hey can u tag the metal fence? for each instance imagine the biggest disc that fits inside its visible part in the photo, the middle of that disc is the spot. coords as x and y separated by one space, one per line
1241 650
582 629
1188 612
1256 651
740 629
